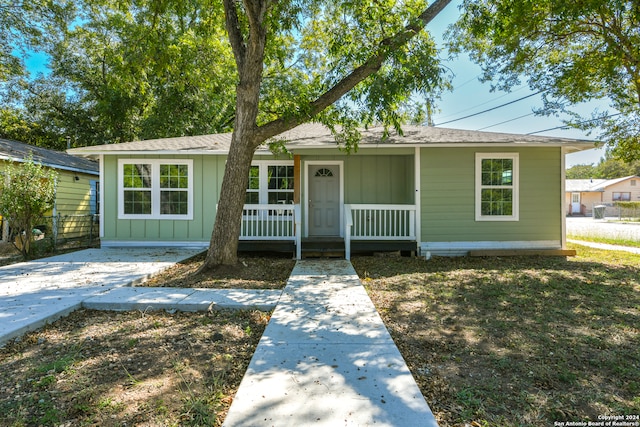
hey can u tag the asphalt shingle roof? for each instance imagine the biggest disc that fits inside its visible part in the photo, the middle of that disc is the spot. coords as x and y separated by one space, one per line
313 135
592 185
18 151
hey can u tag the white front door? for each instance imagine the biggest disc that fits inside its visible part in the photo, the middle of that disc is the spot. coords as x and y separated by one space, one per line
575 203
324 200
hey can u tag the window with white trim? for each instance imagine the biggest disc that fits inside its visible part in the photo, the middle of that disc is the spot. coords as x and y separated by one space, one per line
155 189
270 183
497 187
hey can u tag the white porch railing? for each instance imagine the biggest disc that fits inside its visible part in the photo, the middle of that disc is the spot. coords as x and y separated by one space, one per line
378 222
272 222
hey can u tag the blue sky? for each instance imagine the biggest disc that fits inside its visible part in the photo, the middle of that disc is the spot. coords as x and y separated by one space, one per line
469 96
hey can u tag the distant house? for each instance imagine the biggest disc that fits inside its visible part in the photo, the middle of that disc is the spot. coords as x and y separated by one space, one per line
77 186
436 190
583 194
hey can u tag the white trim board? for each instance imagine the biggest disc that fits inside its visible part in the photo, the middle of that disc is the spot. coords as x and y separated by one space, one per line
152 244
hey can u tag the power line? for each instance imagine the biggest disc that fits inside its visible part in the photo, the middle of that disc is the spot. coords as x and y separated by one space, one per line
490 109
507 121
579 123
483 103
469 81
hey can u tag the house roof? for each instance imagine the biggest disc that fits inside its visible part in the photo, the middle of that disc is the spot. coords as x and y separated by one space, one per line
592 185
313 135
18 151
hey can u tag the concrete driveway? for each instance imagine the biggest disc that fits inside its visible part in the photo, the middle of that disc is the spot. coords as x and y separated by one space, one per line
37 292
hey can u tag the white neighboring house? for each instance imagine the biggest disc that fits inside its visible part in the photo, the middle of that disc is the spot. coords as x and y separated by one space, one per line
583 194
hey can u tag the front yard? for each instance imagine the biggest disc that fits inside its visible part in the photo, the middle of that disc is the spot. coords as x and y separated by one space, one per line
516 341
491 341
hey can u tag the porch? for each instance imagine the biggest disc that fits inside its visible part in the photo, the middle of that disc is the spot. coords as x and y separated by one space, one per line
367 227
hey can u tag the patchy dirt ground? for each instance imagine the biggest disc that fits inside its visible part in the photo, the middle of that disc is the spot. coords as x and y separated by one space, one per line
139 368
526 341
8 254
255 271
520 341
133 368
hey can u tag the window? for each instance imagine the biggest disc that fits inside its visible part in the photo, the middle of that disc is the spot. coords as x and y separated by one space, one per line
280 184
94 197
633 183
324 172
253 188
270 183
575 197
621 196
497 187
158 189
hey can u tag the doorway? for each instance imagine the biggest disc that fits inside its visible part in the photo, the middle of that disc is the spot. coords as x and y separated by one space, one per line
324 200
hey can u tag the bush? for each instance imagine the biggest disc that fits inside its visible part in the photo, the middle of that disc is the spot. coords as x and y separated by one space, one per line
27 192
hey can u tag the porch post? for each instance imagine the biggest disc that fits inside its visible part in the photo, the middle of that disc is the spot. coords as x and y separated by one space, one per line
101 200
417 199
296 179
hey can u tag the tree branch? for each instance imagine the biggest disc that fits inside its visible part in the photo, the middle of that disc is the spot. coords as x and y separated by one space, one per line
371 66
232 25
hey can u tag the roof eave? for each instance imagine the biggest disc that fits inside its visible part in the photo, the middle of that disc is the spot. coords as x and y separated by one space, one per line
54 166
570 147
93 154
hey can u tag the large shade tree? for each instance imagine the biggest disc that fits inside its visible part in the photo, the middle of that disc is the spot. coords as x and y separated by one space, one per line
337 63
572 51
25 27
122 70
24 23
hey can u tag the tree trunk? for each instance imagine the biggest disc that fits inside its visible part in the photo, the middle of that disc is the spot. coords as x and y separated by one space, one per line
248 50
223 247
249 55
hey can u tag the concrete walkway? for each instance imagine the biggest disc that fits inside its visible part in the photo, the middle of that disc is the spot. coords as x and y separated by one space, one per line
326 359
38 292
606 246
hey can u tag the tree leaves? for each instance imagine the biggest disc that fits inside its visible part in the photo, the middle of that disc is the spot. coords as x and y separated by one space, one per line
123 70
27 192
573 51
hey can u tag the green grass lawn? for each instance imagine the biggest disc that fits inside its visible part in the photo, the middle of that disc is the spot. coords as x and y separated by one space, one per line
520 341
607 240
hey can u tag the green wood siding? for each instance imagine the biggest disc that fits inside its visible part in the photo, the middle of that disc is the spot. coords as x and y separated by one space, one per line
382 179
207 179
448 197
379 179
447 194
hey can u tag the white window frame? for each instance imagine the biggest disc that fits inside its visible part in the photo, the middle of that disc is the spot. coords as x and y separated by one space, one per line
515 187
263 177
155 189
